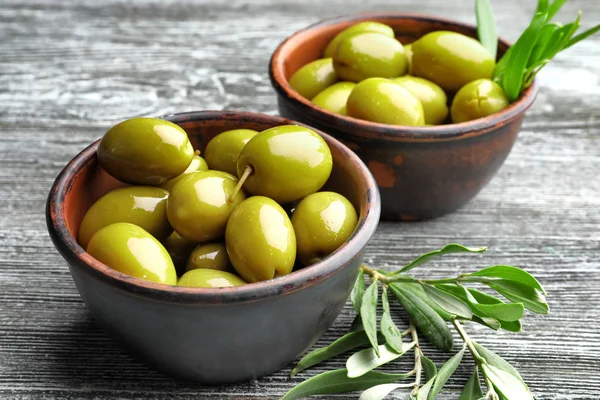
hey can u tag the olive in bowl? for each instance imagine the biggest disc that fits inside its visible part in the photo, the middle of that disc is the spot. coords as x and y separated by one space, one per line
213 335
422 171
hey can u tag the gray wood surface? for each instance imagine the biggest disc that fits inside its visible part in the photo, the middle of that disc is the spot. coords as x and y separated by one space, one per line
71 69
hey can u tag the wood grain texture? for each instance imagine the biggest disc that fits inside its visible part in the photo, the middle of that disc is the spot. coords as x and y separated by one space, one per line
69 70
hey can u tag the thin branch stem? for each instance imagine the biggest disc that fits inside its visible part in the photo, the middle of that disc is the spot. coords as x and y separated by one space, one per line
465 337
247 172
418 367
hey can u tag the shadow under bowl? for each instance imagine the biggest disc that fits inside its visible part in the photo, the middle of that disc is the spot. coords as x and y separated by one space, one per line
219 335
422 172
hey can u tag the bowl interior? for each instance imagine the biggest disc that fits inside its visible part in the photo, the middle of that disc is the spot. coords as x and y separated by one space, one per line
309 44
83 181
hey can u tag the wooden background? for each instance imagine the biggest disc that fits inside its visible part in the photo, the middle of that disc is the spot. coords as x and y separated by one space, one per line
71 69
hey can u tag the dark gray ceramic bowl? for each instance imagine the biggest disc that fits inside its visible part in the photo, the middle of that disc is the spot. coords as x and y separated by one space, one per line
213 335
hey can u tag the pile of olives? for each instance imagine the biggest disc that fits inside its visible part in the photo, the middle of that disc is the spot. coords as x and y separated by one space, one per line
367 74
249 211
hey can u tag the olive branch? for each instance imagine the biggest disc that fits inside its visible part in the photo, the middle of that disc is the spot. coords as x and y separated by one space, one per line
430 304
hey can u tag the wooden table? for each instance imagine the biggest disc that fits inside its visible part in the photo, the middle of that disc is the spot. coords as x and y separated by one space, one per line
69 70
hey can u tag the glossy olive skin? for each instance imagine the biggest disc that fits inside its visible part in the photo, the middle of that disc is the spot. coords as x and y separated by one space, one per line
409 54
432 97
366 26
198 206
145 151
179 249
289 162
366 55
478 99
334 98
144 206
209 278
223 150
314 77
268 249
381 100
133 251
209 256
451 60
322 221
198 164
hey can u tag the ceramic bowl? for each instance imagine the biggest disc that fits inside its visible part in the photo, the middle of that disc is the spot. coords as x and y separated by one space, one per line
221 335
422 172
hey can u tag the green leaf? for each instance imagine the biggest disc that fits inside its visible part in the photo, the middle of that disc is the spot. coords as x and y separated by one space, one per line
495 360
429 368
368 313
543 42
511 274
501 66
345 343
513 75
450 248
519 293
582 36
445 373
554 8
488 321
472 390
542 6
507 384
358 291
429 323
484 298
417 290
380 391
486 26
390 331
337 381
424 390
366 360
356 324
448 302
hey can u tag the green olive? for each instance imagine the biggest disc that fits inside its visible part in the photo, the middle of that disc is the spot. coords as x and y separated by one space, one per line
409 54
334 98
367 54
366 26
478 99
209 256
432 97
131 250
314 77
209 278
381 100
288 162
199 204
322 221
451 60
197 165
260 240
145 151
179 249
144 206
223 150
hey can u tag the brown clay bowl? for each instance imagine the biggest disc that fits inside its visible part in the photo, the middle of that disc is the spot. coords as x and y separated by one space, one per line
422 172
213 335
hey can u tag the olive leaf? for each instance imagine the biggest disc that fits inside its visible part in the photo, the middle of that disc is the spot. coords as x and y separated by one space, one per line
347 342
356 324
337 381
583 35
358 291
507 384
509 273
472 389
484 298
445 373
486 26
450 248
380 391
448 302
390 331
429 323
518 292
417 290
495 360
368 313
429 368
424 390
366 360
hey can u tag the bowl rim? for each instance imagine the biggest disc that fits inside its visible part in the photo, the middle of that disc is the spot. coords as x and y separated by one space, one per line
77 257
384 132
